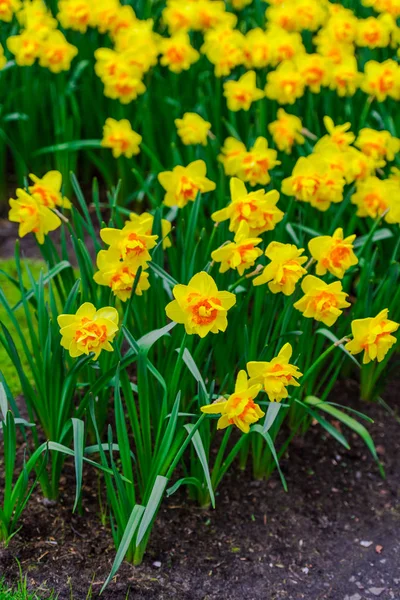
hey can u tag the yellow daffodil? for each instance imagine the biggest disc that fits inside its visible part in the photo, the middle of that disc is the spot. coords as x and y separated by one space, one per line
193 129
257 49
119 275
345 78
120 137
276 375
333 253
182 184
285 84
254 166
258 209
200 306
32 216
89 330
177 53
286 131
382 79
315 71
372 33
285 268
321 301
75 14
25 46
240 254
381 146
148 220
374 196
178 15
239 409
313 180
338 135
373 336
133 242
231 155
56 54
47 190
223 47
242 93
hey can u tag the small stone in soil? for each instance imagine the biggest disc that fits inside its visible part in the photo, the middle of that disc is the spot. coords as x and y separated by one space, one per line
365 544
376 591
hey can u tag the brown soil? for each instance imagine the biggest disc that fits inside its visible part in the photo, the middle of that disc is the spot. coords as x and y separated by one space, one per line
335 535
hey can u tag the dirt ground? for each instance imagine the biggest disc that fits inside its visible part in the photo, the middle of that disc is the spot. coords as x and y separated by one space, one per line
335 535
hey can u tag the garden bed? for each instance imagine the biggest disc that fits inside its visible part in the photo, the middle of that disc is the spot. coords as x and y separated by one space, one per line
333 536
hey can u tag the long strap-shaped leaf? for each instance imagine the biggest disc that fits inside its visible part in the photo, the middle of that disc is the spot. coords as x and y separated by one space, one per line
129 532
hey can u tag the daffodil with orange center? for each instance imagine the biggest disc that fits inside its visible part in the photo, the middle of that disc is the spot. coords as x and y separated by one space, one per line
338 135
345 77
147 220
242 93
132 242
381 146
254 166
372 33
178 15
231 155
75 14
193 129
89 330
182 184
223 47
321 301
120 138
25 46
276 375
200 306
373 336
241 254
56 54
284 270
8 8
47 190
286 131
382 79
177 53
119 275
315 70
258 209
315 181
374 196
239 409
333 253
32 216
285 84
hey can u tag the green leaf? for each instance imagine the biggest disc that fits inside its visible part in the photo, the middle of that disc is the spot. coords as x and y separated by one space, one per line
201 453
68 146
183 481
350 422
271 415
379 235
129 532
191 365
147 341
3 403
333 338
152 507
78 427
258 429
169 280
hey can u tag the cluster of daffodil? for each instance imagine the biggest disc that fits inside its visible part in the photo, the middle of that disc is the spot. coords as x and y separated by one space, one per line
248 257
